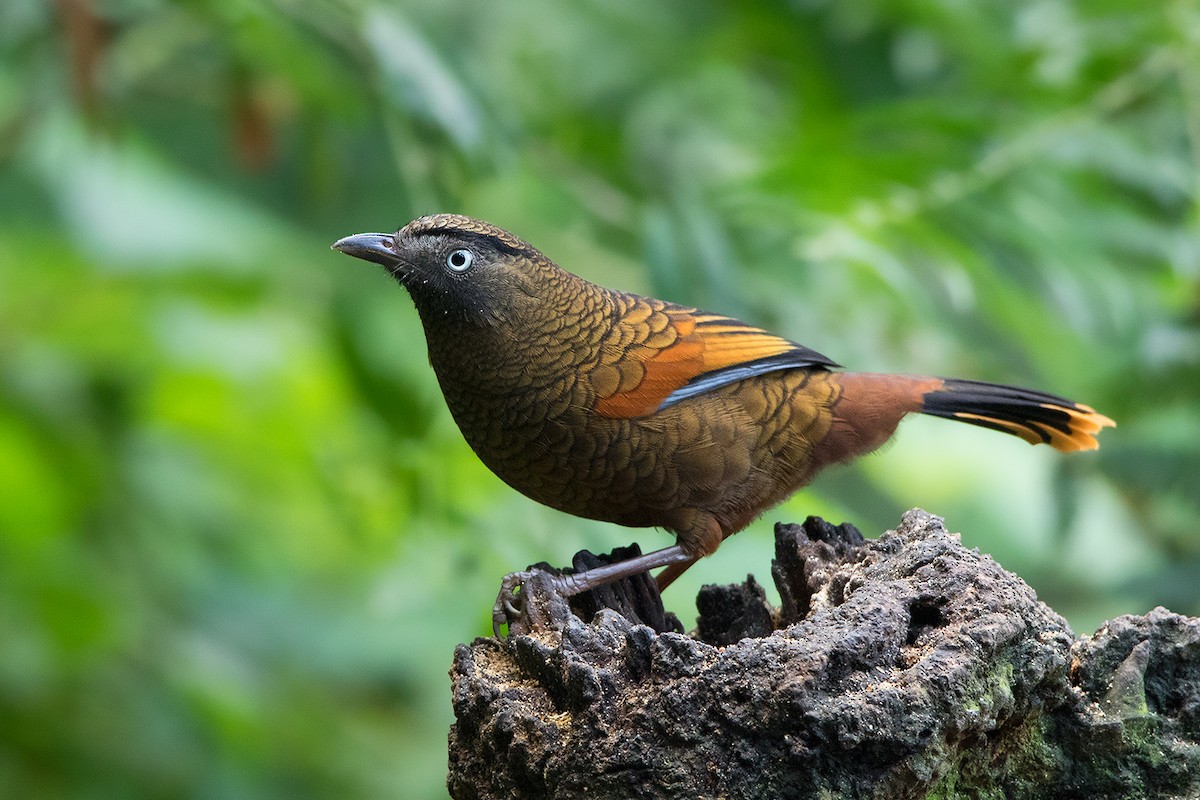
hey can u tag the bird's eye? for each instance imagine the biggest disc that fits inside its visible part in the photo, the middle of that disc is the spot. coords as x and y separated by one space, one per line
460 260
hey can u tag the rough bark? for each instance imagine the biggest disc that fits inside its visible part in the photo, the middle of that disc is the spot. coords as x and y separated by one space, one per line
904 667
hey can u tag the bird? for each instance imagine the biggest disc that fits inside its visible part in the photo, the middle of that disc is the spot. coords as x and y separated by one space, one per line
641 412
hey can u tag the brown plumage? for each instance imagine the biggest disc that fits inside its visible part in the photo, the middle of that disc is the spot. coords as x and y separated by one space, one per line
641 412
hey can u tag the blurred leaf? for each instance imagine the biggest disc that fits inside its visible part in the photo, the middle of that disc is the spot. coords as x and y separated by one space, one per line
239 532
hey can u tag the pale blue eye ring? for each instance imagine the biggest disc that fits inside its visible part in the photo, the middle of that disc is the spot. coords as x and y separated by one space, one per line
460 260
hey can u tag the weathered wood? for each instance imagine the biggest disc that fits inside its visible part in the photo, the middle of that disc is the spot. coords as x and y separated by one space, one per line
903 667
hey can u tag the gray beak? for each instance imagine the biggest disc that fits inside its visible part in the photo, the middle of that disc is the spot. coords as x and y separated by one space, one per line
377 247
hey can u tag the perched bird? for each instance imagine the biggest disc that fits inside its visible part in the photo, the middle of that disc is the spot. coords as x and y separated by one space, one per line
637 411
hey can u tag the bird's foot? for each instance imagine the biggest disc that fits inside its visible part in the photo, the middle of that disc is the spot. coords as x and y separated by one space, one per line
531 599
538 597
507 608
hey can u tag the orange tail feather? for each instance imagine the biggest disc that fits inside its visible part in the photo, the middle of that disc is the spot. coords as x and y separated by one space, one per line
1036 417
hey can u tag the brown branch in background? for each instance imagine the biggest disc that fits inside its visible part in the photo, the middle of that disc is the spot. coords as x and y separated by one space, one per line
87 36
253 137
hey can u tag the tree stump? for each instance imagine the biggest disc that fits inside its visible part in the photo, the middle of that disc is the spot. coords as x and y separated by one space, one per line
903 667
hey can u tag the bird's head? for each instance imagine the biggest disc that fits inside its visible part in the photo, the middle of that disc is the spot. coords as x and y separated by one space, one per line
458 269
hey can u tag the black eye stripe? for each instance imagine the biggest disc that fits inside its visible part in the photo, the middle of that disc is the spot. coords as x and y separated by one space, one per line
481 240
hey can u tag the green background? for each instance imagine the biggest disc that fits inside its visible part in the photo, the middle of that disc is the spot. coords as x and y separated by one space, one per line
239 533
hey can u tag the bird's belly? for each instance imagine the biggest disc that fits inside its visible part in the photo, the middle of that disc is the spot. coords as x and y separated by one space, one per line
730 453
590 469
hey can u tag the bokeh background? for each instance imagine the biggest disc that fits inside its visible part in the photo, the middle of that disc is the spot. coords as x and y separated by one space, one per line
239 532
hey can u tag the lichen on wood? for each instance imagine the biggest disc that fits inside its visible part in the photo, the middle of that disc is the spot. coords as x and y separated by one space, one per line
907 666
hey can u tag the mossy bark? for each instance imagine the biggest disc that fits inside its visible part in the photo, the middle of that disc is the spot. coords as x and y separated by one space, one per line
903 667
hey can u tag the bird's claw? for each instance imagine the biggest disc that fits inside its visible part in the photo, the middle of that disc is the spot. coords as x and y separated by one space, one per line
535 599
511 604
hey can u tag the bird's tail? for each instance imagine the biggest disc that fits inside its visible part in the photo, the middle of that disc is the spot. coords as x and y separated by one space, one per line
1036 417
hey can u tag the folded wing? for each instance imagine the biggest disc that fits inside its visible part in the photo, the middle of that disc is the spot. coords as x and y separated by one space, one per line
659 354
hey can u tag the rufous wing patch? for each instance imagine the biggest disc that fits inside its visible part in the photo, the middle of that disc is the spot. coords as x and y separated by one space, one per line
702 344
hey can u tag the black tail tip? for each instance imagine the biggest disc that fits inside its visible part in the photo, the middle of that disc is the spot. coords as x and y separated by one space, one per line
1036 417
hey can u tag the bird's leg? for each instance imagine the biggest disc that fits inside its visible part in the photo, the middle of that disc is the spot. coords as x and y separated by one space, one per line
587 580
671 572
512 587
703 535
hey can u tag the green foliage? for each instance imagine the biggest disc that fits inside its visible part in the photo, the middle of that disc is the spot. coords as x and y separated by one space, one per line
239 534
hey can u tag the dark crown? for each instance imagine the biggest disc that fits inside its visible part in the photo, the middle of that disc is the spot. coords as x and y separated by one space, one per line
458 224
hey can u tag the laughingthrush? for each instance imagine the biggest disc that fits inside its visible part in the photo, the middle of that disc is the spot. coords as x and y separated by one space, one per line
637 411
